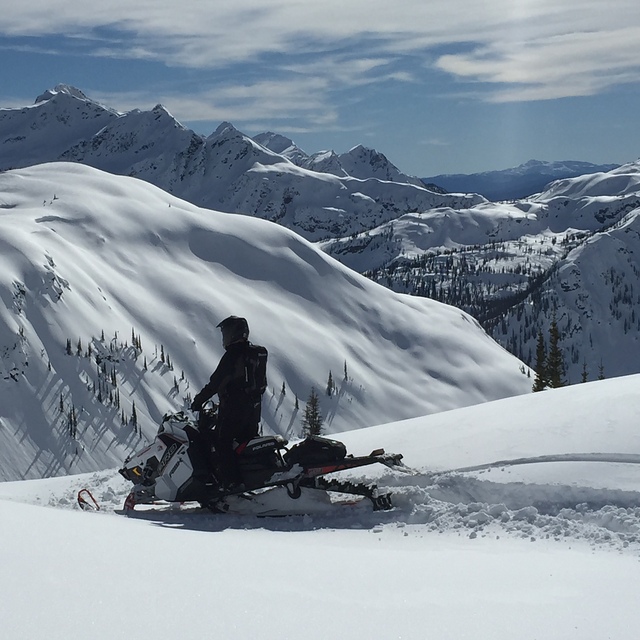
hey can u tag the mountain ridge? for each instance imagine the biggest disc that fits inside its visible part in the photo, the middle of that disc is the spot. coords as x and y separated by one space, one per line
488 258
225 171
517 182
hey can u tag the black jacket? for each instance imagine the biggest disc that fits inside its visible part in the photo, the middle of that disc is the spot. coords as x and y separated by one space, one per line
239 409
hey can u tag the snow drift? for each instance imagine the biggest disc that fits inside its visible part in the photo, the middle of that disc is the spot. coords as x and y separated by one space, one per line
542 550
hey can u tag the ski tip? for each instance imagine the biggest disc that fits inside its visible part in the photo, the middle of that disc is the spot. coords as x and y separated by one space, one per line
86 501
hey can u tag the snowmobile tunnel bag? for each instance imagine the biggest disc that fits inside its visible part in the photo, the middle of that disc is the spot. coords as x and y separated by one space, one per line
316 450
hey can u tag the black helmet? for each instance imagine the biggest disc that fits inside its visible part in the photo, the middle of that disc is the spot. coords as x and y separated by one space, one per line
234 329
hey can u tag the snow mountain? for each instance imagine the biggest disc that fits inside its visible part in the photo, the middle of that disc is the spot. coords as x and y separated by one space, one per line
42 132
484 257
111 292
360 162
571 251
226 171
518 182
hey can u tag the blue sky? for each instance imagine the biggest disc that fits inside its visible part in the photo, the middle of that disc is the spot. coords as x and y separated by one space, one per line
444 86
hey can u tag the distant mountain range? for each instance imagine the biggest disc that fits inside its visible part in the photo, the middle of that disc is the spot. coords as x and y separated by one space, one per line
518 182
571 252
321 196
568 251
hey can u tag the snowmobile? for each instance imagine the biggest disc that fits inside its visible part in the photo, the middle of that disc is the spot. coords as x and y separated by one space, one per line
177 467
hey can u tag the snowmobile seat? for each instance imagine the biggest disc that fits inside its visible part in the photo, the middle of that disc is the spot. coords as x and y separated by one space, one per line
261 445
259 458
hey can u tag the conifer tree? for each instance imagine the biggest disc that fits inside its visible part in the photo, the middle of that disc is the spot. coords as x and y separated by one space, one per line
555 359
540 380
330 386
73 422
346 375
312 418
134 415
585 374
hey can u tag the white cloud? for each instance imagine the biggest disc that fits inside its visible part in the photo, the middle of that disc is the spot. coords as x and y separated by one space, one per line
525 49
573 64
240 103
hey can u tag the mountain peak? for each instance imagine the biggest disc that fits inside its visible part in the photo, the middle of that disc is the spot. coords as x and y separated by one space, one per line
274 141
61 88
225 127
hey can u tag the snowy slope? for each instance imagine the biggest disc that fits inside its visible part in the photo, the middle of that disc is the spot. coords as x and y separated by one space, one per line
573 248
586 203
542 550
103 261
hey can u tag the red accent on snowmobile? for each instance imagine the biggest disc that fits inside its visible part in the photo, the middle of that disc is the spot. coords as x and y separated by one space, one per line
350 462
130 502
85 504
241 447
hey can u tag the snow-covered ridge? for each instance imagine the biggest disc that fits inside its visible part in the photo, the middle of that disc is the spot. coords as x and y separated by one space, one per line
85 252
217 171
573 248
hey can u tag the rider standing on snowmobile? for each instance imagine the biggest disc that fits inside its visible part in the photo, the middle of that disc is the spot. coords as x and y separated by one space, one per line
239 380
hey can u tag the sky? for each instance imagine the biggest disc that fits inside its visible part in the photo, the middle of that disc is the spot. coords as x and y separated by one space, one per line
448 86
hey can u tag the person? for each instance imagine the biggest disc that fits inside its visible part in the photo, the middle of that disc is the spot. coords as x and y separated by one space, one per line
239 381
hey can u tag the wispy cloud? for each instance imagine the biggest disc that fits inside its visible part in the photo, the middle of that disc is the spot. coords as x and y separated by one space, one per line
519 49
572 64
241 103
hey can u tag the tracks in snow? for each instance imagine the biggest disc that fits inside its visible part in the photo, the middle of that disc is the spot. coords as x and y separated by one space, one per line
460 500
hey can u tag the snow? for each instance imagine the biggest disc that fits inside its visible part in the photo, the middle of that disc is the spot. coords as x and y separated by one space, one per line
225 171
548 549
84 251
517 515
